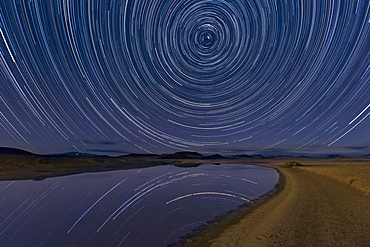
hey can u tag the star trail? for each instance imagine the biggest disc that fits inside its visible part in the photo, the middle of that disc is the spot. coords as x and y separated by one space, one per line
161 76
137 207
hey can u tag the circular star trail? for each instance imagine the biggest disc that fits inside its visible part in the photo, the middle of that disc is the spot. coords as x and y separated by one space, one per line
156 76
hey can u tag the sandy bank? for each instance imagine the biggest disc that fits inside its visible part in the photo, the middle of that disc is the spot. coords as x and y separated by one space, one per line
310 210
353 172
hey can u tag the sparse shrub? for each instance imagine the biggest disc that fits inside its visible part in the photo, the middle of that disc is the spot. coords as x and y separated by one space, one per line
290 164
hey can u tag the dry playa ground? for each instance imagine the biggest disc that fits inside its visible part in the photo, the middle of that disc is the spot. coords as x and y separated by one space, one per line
323 203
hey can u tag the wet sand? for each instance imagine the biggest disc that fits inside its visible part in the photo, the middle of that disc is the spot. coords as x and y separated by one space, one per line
309 209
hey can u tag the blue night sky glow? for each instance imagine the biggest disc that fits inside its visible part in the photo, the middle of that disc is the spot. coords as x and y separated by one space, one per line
226 76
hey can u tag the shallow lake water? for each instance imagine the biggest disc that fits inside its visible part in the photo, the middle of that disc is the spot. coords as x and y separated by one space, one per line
140 207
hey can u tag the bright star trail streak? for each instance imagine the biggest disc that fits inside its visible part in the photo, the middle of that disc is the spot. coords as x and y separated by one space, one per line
228 76
206 193
101 198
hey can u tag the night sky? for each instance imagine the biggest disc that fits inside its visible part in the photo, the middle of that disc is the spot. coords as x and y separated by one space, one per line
226 76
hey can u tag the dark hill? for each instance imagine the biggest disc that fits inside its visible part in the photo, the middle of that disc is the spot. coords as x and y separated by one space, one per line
366 156
142 155
335 156
243 156
6 150
183 155
215 156
260 156
73 154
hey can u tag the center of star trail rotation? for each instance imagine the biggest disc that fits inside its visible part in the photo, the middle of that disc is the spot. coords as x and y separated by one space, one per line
157 76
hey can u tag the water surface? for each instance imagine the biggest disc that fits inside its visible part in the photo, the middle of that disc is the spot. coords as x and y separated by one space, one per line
140 207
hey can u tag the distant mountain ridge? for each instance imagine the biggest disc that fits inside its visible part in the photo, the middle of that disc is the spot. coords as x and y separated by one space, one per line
214 157
336 156
73 154
140 155
183 155
177 155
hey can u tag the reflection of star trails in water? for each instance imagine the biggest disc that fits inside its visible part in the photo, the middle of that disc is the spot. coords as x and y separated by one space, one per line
144 192
250 181
7 186
159 219
123 239
89 202
31 205
206 193
152 180
83 215
150 188
184 227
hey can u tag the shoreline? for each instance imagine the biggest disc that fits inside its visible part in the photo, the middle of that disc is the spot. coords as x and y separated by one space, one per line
308 209
204 234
